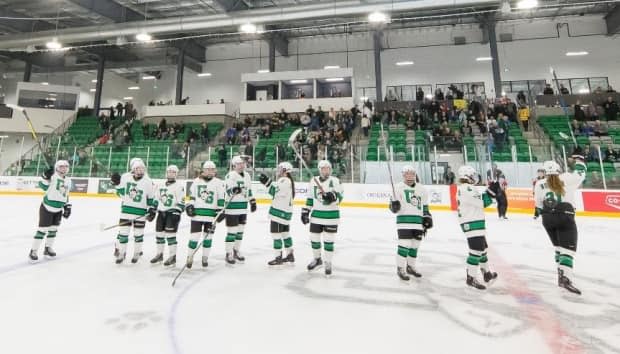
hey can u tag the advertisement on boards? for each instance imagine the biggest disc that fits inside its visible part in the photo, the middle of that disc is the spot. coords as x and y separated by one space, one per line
601 201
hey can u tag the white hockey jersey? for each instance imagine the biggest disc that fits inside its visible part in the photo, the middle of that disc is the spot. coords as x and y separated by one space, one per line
171 196
471 204
56 192
238 204
136 196
413 203
281 210
207 197
572 182
323 213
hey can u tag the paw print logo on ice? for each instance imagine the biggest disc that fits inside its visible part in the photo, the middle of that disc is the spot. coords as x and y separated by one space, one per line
134 321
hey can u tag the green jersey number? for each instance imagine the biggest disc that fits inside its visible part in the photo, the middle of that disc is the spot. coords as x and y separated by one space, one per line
167 199
133 192
551 196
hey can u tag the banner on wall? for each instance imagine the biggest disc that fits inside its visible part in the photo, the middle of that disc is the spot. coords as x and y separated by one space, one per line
79 185
601 201
520 198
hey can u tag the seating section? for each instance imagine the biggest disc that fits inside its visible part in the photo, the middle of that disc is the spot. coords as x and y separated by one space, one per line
397 138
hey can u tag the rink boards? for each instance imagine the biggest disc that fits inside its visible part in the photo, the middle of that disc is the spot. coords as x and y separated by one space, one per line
589 202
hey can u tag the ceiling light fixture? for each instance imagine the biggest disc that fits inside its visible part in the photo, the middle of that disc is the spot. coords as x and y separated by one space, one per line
262 71
404 63
576 54
45 83
54 44
378 17
527 4
93 90
327 67
143 37
128 98
248 28
334 79
133 88
148 77
484 59
204 74
302 81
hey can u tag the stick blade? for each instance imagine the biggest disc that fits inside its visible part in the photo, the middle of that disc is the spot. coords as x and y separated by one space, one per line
294 136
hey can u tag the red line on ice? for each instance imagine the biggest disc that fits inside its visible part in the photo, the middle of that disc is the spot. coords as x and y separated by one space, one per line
558 339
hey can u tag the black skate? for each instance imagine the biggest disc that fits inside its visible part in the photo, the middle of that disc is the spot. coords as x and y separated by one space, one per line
317 262
489 277
33 255
567 284
205 261
328 268
49 252
473 282
277 261
289 258
412 271
189 262
238 256
402 274
120 259
158 258
116 252
172 260
230 259
136 257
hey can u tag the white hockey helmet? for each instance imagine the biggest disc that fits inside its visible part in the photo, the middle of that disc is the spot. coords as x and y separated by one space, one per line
285 167
409 173
138 168
62 167
134 161
551 168
209 169
172 172
238 163
467 172
326 166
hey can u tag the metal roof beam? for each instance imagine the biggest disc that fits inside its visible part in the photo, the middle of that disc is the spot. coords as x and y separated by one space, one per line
192 49
110 9
22 25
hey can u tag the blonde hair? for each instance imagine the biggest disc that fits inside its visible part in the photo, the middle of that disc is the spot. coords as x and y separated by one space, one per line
556 185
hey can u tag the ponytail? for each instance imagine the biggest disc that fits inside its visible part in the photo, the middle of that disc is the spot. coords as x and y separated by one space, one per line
556 185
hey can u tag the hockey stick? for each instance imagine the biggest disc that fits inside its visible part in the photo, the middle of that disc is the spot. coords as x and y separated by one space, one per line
563 105
291 143
209 232
48 161
383 138
102 227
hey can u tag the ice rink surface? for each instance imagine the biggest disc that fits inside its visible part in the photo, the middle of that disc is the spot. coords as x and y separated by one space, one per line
81 302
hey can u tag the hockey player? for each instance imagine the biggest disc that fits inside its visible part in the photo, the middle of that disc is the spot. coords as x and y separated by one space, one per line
282 191
239 190
325 195
137 204
540 175
206 199
471 204
170 205
413 219
555 198
54 206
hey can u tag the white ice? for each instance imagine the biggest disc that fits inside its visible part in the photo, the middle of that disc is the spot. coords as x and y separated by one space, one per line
81 302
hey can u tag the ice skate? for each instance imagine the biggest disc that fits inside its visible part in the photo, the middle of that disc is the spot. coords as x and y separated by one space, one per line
317 262
49 252
276 261
473 282
230 259
136 257
328 269
412 271
205 261
238 256
567 284
158 258
172 260
402 274
33 255
289 258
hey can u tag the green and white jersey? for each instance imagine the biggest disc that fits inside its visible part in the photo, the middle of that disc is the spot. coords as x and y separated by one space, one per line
413 203
281 210
238 204
323 213
572 181
56 192
171 196
471 204
136 195
207 196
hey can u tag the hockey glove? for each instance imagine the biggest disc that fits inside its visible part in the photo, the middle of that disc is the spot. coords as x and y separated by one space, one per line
266 181
236 190
150 214
427 221
66 212
115 178
329 197
252 205
305 216
190 211
47 174
221 217
394 206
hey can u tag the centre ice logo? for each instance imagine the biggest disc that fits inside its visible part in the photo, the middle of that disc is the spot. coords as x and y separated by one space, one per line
613 201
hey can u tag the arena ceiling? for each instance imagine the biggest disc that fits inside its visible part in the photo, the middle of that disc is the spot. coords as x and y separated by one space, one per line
96 28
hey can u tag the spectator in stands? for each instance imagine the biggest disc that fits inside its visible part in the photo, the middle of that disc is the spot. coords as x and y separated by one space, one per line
610 154
598 91
221 155
586 129
548 90
365 125
119 109
580 115
448 176
185 100
204 133
611 109
231 135
521 99
310 111
248 150
409 124
563 90
266 131
524 117
245 135
419 95
592 112
600 129
499 135
439 96
221 101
